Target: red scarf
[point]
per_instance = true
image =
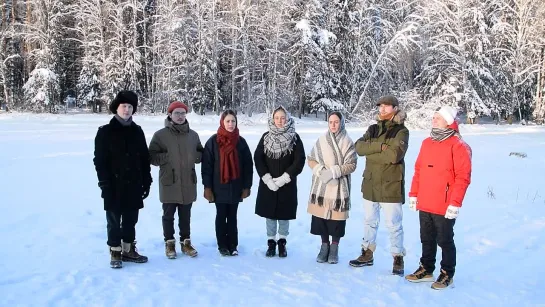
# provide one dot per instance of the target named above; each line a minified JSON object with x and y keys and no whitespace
{"x":227,"y":141}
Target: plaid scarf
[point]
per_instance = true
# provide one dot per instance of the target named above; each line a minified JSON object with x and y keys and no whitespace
{"x":333,"y":151}
{"x":279,"y":141}
{"x":441,"y":134}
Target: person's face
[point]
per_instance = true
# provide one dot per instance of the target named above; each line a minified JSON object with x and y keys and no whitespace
{"x":279,"y":119}
{"x":230,"y":123}
{"x":438,"y":121}
{"x":124,"y":110}
{"x":385,"y":109}
{"x":334,"y":123}
{"x":178,"y":115}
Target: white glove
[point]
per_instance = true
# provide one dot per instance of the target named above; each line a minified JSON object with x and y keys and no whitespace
{"x":326,"y":176}
{"x":452,"y":212}
{"x":412,"y":203}
{"x":316,"y":169}
{"x":267,"y":179}
{"x":282,"y":180}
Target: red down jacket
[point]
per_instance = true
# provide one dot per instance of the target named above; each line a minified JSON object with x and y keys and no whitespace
{"x":442,"y":173}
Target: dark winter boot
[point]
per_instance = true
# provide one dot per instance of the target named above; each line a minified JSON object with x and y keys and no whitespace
{"x":420,"y":275}
{"x":399,"y":266}
{"x":130,"y":254}
{"x":115,"y":257}
{"x":271,"y":251}
{"x":188,"y":249}
{"x":282,"y":252}
{"x":333,"y":254}
{"x":443,"y":281}
{"x":170,"y":249}
{"x":224,"y":251}
{"x":365,"y":259}
{"x":233,"y":251}
{"x":324,"y":253}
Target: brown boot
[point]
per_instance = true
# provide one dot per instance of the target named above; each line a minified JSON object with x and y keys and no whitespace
{"x":170,"y":249}
{"x":443,"y":281}
{"x":130,"y":254}
{"x":399,"y":266}
{"x":365,"y":259}
{"x":420,"y":275}
{"x":115,"y":257}
{"x":188,"y":249}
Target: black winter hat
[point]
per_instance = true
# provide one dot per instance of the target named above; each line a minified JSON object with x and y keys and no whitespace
{"x":124,"y":97}
{"x":388,"y":100}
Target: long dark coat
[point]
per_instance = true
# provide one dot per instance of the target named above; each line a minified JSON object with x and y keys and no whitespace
{"x":282,"y":204}
{"x":123,"y":166}
{"x":230,"y":192}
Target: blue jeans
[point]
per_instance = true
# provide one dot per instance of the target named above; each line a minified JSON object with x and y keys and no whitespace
{"x":393,"y":217}
{"x":283,"y":227}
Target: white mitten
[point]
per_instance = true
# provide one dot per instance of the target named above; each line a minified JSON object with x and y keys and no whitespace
{"x":412,"y":203}
{"x":452,"y":212}
{"x":282,"y":180}
{"x":267,"y":179}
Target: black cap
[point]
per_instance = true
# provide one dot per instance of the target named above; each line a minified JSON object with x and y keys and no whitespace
{"x":388,"y":100}
{"x":124,"y":97}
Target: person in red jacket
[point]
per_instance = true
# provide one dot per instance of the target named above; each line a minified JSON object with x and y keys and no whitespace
{"x":442,"y":173}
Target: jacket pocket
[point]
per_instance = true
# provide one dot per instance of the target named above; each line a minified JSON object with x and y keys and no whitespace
{"x":167,"y":176}
{"x":446,"y":192}
{"x":367,"y":175}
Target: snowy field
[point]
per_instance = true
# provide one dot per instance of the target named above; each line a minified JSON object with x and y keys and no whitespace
{"x":53,"y":229}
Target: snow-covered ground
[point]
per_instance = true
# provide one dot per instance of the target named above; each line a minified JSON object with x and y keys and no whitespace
{"x":53,"y":230}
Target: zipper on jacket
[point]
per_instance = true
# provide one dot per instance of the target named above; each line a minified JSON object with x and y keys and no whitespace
{"x":446,"y":193}
{"x":173,"y":178}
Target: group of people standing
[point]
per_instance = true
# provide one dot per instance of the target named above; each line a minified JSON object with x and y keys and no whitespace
{"x":442,"y":175}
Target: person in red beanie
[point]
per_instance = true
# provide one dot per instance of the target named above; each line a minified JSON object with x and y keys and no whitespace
{"x":442,"y":174}
{"x":227,"y":170}
{"x":176,"y":149}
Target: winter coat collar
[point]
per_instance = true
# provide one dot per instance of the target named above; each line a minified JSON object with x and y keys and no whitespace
{"x":124,"y":123}
{"x":177,"y":128}
{"x":398,"y":119}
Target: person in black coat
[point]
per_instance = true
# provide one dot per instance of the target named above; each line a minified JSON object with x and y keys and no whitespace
{"x":279,"y":158}
{"x":227,"y":171}
{"x":124,"y":176}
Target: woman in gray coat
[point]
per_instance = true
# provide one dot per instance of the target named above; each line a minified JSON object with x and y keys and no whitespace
{"x":176,"y":149}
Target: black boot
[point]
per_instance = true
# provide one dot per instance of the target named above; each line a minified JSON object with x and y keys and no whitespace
{"x":130,"y":253}
{"x":271,"y":251}
{"x":282,"y":248}
{"x":224,"y":251}
{"x":115,"y":257}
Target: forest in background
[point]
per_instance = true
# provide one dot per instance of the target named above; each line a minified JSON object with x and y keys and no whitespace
{"x":484,"y":56}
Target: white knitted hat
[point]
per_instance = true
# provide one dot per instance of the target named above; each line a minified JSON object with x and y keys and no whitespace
{"x":448,"y":113}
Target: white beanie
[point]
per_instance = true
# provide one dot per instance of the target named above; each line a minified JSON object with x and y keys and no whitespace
{"x":448,"y":113}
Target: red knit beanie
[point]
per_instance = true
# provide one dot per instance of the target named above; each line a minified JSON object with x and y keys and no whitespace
{"x":175,"y":105}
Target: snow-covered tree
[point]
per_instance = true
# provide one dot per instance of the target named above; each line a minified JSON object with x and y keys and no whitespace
{"x":453,"y":53}
{"x":517,"y":33}
{"x":388,"y":34}
{"x":42,"y":90}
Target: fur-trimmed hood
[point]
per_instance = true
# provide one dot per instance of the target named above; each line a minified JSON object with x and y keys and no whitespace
{"x":399,"y":117}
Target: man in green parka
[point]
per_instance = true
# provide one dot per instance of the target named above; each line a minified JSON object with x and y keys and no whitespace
{"x":384,"y":146}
